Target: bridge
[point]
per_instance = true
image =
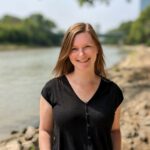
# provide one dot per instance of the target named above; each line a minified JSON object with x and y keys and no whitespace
{"x":116,"y":35}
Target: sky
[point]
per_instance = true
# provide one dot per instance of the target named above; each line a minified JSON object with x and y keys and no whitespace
{"x":67,"y":12}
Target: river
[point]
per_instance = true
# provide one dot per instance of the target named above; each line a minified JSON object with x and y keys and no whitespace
{"x":22,"y":76}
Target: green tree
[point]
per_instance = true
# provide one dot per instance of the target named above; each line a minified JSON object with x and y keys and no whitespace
{"x":135,"y":32}
{"x":92,"y":2}
{"x":10,"y":19}
{"x":38,"y":30}
{"x":119,"y":34}
{"x":34,"y":30}
{"x":140,"y":29}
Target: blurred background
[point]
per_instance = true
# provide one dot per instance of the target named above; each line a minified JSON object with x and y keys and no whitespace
{"x":30,"y":38}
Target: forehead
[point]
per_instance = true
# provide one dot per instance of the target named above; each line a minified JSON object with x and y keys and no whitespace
{"x":84,"y":38}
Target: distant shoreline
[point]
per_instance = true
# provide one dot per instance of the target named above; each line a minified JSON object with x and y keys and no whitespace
{"x":12,"y":47}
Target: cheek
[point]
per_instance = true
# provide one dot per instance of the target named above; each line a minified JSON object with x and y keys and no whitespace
{"x":93,"y":54}
{"x":71,"y":57}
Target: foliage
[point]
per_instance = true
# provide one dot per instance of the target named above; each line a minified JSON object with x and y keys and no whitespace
{"x":92,"y":2}
{"x":140,"y":29}
{"x":136,"y":32}
{"x":34,"y":30}
{"x":122,"y":31}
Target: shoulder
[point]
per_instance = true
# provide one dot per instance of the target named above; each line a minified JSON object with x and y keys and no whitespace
{"x":111,"y":83}
{"x":112,"y":87}
{"x":53,"y":82}
{"x":114,"y":90}
{"x":50,"y":88}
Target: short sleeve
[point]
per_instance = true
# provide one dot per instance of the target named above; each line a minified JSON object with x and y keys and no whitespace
{"x":118,"y":95}
{"x":47,"y":92}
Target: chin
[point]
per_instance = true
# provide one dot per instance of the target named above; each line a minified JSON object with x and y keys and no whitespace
{"x":83,"y":68}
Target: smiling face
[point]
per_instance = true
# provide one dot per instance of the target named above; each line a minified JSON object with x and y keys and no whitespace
{"x":84,"y":52}
{"x":80,"y":49}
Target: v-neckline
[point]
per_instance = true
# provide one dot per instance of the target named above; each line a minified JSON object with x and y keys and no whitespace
{"x":78,"y":98}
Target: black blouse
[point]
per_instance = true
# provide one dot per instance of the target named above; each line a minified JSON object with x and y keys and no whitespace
{"x":79,"y":125}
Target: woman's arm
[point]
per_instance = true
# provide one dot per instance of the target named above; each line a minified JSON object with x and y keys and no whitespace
{"x":46,"y":125}
{"x":116,"y":134}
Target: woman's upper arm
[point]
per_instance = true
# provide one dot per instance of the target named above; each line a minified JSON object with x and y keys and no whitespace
{"x":116,"y":123}
{"x":46,"y":116}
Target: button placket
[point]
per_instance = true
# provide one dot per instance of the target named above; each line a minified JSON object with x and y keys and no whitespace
{"x":87,"y":124}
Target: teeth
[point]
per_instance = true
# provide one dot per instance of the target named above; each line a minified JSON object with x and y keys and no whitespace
{"x":83,"y":61}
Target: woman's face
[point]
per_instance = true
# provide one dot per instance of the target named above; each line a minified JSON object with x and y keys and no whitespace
{"x":84,"y":52}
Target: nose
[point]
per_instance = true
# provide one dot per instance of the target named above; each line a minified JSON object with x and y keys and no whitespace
{"x":81,"y":51}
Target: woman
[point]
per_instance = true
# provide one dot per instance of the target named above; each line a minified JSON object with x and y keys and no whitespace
{"x":79,"y":109}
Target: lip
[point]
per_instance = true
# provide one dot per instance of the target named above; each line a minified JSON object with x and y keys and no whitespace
{"x":83,"y":61}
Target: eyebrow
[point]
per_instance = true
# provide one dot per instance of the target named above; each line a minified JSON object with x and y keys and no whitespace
{"x":89,"y":44}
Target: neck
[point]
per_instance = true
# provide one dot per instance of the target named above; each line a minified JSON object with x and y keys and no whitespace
{"x":84,"y":77}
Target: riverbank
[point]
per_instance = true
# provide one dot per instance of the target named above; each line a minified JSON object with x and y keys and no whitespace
{"x":15,"y":47}
{"x":133,"y":76}
{"x":10,"y":47}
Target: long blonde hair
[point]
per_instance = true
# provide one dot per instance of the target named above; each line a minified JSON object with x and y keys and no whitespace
{"x":63,"y":65}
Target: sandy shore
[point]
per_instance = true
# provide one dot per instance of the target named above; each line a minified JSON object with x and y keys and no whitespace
{"x":133,"y":76}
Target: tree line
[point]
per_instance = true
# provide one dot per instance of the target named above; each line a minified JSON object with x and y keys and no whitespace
{"x":133,"y":32}
{"x":34,"y":30}
{"x":92,"y":2}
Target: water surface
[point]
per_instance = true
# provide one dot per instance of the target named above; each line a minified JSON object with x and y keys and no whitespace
{"x":22,"y":76}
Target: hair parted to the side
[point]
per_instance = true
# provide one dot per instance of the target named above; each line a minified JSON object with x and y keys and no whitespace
{"x":63,"y":65}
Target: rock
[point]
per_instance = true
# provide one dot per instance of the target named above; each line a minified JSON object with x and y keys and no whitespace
{"x":35,"y":139}
{"x":29,"y":133}
{"x":14,"y":132}
{"x":147,"y":106}
{"x":3,"y":148}
{"x":143,"y":113}
{"x":13,"y":145}
{"x":24,"y":130}
{"x":143,"y":137}
{"x":27,"y":145}
{"x":132,"y":134}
